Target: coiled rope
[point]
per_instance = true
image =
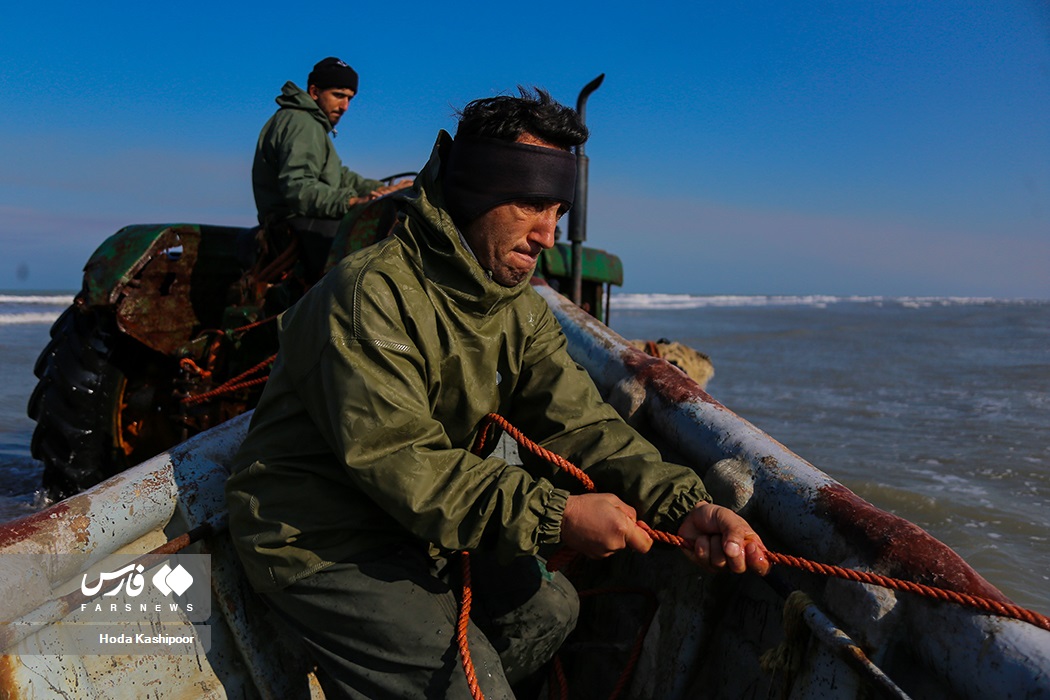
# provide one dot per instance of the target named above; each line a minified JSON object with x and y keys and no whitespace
{"x":964,"y":599}
{"x":233,"y":384}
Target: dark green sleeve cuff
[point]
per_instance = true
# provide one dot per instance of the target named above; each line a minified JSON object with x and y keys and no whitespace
{"x":550,"y":518}
{"x":671,"y":519}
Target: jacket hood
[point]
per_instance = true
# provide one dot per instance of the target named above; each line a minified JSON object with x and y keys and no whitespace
{"x":294,"y":97}
{"x":447,"y":260}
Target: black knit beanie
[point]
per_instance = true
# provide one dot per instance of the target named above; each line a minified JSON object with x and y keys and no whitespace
{"x":332,"y":73}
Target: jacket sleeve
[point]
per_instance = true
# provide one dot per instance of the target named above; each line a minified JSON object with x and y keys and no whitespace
{"x":556,"y":398}
{"x":301,"y":149}
{"x":368,"y":393}
{"x":358,"y":184}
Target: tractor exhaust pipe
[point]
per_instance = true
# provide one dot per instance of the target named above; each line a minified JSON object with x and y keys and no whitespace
{"x":578,"y":213}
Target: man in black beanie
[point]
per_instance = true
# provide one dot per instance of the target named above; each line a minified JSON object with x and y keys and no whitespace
{"x":297,"y":176}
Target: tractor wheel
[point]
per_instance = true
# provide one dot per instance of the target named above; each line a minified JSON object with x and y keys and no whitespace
{"x":103,"y":403}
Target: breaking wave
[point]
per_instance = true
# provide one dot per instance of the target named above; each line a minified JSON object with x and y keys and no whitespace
{"x":46,"y":299}
{"x":689,"y":301}
{"x":16,"y":309}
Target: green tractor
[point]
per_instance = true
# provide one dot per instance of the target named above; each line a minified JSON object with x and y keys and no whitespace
{"x":174,"y":332}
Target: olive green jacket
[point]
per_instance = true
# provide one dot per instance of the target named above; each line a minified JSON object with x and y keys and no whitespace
{"x":297,"y":171}
{"x":386,"y":368}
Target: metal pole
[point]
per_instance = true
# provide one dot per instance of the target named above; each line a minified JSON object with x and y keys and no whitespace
{"x":578,"y":213}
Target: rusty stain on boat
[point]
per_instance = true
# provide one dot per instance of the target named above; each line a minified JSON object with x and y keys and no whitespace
{"x":667,"y":379}
{"x":28,"y":526}
{"x":8,"y":685}
{"x":898,"y":547}
{"x":80,"y":525}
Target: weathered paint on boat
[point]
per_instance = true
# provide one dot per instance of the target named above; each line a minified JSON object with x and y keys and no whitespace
{"x":708,"y":632}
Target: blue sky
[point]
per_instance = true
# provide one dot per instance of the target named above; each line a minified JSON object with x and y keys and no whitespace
{"x":876,"y":148}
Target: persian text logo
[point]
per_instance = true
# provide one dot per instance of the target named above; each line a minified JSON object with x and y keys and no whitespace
{"x":130,"y":574}
{"x":166,"y":580}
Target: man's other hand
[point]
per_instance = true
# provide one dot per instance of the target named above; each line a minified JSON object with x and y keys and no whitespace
{"x":723,"y":539}
{"x":387,"y":189}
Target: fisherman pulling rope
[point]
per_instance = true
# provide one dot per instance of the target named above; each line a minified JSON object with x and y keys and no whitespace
{"x":356,"y":483}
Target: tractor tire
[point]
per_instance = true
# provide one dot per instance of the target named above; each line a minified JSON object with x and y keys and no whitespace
{"x":102,"y":404}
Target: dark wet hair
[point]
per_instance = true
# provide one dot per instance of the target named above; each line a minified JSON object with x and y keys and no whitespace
{"x":534,"y":112}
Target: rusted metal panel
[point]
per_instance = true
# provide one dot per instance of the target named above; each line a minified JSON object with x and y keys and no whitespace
{"x":115,"y":262}
{"x":36,"y":673}
{"x":42,"y":556}
{"x":155,"y":306}
{"x":145,"y":272}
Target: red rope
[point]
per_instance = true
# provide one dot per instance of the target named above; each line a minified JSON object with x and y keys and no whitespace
{"x":538,"y":450}
{"x":250,"y":326}
{"x":988,"y":605}
{"x":188,"y":365}
{"x":559,"y":680}
{"x":231,"y":385}
{"x":461,"y":630}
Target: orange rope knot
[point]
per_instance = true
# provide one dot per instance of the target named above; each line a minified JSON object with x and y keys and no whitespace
{"x":188,"y":365}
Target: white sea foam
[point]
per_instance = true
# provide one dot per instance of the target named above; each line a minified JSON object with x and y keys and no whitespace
{"x":27,"y":318}
{"x":690,"y":301}
{"x":28,"y":309}
{"x":46,"y":299}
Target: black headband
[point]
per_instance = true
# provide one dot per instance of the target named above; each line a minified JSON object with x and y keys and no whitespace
{"x":481,"y":173}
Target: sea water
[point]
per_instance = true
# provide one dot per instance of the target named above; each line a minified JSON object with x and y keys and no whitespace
{"x":934,"y":409}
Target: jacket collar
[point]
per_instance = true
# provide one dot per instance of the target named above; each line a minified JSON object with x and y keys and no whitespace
{"x":294,"y":97}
